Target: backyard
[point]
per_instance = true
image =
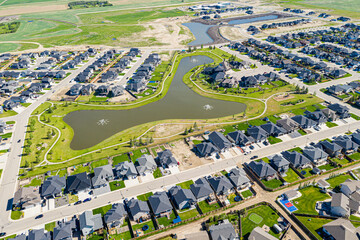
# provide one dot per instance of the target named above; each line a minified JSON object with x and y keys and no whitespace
{"x":306,"y":203}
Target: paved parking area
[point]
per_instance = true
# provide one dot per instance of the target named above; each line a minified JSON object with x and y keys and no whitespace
{"x":147,"y":178}
{"x":131,"y":182}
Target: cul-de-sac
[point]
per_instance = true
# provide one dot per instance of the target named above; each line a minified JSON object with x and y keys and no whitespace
{"x":180,"y":119}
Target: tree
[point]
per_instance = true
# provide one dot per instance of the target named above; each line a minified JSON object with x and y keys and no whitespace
{"x":49,"y":120}
{"x":151,"y":140}
{"x":131,"y":142}
{"x":189,"y":49}
{"x":31,"y":136}
{"x":55,"y":107}
{"x":191,"y":129}
{"x":28,"y":142}
{"x":49,"y":136}
{"x":195,"y":126}
{"x":53,"y":132}
{"x":186,"y":132}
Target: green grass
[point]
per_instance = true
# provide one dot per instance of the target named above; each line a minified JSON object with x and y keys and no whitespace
{"x":306,"y":203}
{"x":340,"y":161}
{"x":72,"y":198}
{"x":99,"y":163}
{"x":185,"y":185}
{"x":272,"y":184}
{"x":326,"y":167}
{"x":102,"y":210}
{"x":291,"y":176}
{"x":137,"y":153}
{"x":246,"y":194}
{"x":269,"y":218}
{"x":6,"y":135}
{"x":140,"y":225}
{"x":50,"y":226}
{"x":116,"y":185}
{"x":80,"y":169}
{"x":145,"y":196}
{"x":255,"y":218}
{"x":274,"y":140}
{"x":8,"y":47}
{"x":16,"y":215}
{"x":308,"y":172}
{"x":314,"y":224}
{"x":188,"y":214}
{"x":273,"y":119}
{"x":195,"y":142}
{"x":121,"y":158}
{"x":256,"y":122}
{"x":8,"y":114}
{"x":331,"y":124}
{"x":205,"y":207}
{"x":34,"y":183}
{"x":297,"y":149}
{"x":356,"y":117}
{"x":122,"y":236}
{"x":157,"y":173}
{"x":165,"y":221}
{"x":1,"y":170}
{"x":336,"y":181}
{"x":302,"y":132}
{"x":10,"y":122}
{"x":231,"y":197}
{"x":355,"y":156}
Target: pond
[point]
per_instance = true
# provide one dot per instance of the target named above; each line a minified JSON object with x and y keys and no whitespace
{"x":93,"y":126}
{"x":199,"y":31}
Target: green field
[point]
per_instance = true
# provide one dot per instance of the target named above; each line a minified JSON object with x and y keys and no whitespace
{"x":255,"y":218}
{"x":306,"y":203}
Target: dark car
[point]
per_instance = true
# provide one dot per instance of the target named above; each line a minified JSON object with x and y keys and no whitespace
{"x":87,"y":200}
{"x":78,"y":202}
{"x":2,"y":234}
{"x":254,"y":157}
{"x":251,"y":147}
{"x":265,"y":143}
{"x":39,"y":216}
{"x":19,"y":140}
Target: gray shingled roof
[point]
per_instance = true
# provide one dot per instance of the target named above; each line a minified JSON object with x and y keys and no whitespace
{"x":346,"y":142}
{"x":296,"y":158}
{"x":78,"y":182}
{"x":201,"y":188}
{"x":52,"y":186}
{"x":159,"y":203}
{"x":238,"y":177}
{"x":101,"y":175}
{"x":342,"y":229}
{"x":279,"y":161}
{"x":38,"y":234}
{"x":145,"y":163}
{"x":126,"y":169}
{"x":116,"y":213}
{"x":219,"y":140}
{"x":181,"y":195}
{"x":136,"y":206}
{"x":220,"y":184}
{"x":262,"y":169}
{"x":222,"y":231}
{"x":90,"y":222}
{"x":314,"y":153}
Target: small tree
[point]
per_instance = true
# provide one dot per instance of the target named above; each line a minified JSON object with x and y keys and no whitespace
{"x":53,"y":132}
{"x":186,"y":132}
{"x":151,"y":140}
{"x":195,"y":126}
{"x":49,"y":135}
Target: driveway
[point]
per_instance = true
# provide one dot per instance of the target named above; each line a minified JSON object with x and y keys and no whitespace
{"x":131,"y":182}
{"x":293,"y":135}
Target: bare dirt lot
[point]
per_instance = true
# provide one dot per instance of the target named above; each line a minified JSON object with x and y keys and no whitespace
{"x":283,"y":97}
{"x":186,"y":157}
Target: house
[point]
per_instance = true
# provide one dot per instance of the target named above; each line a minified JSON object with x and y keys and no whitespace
{"x":262,"y":170}
{"x":356,"y":137}
{"x":273,"y":130}
{"x":87,"y":89}
{"x":166,"y":159}
{"x":126,"y":170}
{"x":340,"y":205}
{"x":206,"y":149}
{"x":297,"y":159}
{"x":27,"y":197}
{"x":182,"y":198}
{"x":160,"y":204}
{"x":331,"y":148}
{"x":75,"y":89}
{"x":279,"y":163}
{"x":318,"y":116}
{"x":145,"y":164}
{"x":338,"y":73}
{"x":259,"y":234}
{"x":202,"y":190}
{"x":221,"y":185}
{"x":238,"y":178}
{"x":223,"y":230}
{"x":102,"y":175}
{"x":303,"y":121}
{"x":288,"y":124}
{"x":90,"y":223}
{"x":330,"y":114}
{"x":340,"y":110}
{"x":52,"y":187}
{"x":103,"y":90}
{"x":139,"y":210}
{"x":114,"y":218}
{"x":116,"y":91}
{"x":64,"y":230}
{"x":78,"y":183}
{"x":257,"y":133}
{"x":220,"y":141}
{"x":341,"y":229}
{"x":316,"y":155}
{"x":351,"y":188}
{"x":240,"y":139}
{"x":347,"y":144}
{"x":38,"y":234}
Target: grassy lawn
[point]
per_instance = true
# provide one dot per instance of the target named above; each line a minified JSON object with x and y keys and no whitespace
{"x":231,"y":198}
{"x":165,"y":221}
{"x":297,"y":149}
{"x":138,"y":153}
{"x":121,"y":158}
{"x":195,"y":142}
{"x":102,"y":210}
{"x":356,"y":117}
{"x":116,"y":185}
{"x":145,"y":196}
{"x":6,"y":135}
{"x":326,"y":167}
{"x":188,"y":214}
{"x":122,"y":236}
{"x":340,"y":161}
{"x":72,"y":198}
{"x":314,"y":224}
{"x":10,"y":122}
{"x":269,"y":218}
{"x":8,"y":114}
{"x":273,"y":119}
{"x":246,"y":194}
{"x":302,"y":132}
{"x":291,"y":176}
{"x":16,"y":215}
{"x":306,"y":203}
{"x":1,"y":170}
{"x":34,"y":182}
{"x":273,"y":140}
{"x":185,"y":185}
{"x":274,"y":183}
{"x":205,"y":207}
{"x":307,"y":172}
{"x":140,"y":225}
{"x":99,"y":163}
{"x":50,"y":226}
{"x":336,"y":181}
{"x":157,"y":173}
{"x":331,"y":124}
{"x":355,"y":156}
{"x":256,"y":122}
{"x":80,"y":168}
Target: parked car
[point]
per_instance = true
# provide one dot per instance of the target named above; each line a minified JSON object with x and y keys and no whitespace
{"x":2,"y":234}
{"x":251,"y":147}
{"x":87,"y":200}
{"x":254,"y":157}
{"x":265,"y":143}
{"x":78,"y":202}
{"x":19,"y":140}
{"x":39,"y":216}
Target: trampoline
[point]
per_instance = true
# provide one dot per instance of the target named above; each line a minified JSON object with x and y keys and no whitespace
{"x":237,"y":198}
{"x":145,"y":228}
{"x":288,"y":205}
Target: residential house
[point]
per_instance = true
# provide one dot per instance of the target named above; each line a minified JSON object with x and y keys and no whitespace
{"x":64,"y":230}
{"x":331,"y":148}
{"x":351,"y":188}
{"x":347,"y":144}
{"x":259,"y":234}
{"x":116,"y":91}
{"x":38,"y":234}
{"x":356,"y":137}
{"x":316,"y":155}
{"x":52,"y":187}
{"x":145,"y":165}
{"x":19,"y":237}
{"x":167,"y":160}
{"x":262,"y":170}
{"x":202,"y":190}
{"x":182,"y":198}
{"x":330,"y":114}
{"x":27,"y":197}
{"x":78,"y":183}
{"x":303,"y":121}
{"x":238,"y":178}
{"x":220,"y":141}
{"x":273,"y":130}
{"x":221,"y":185}
{"x":102,"y":175}
{"x":160,"y":204}
{"x":75,"y":89}
{"x":288,"y":124}
{"x":114,"y":218}
{"x":139,"y":210}
{"x":125,"y":170}
{"x":340,"y":205}
{"x":223,"y":230}
{"x":341,"y":229}
{"x":318,"y":116}
{"x":206,"y":149}
{"x":279,"y":163}
{"x":257,"y":133}
{"x":90,"y":223}
{"x":297,"y":159}
{"x":240,"y":139}
{"x":340,"y":110}
{"x":87,"y":90}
